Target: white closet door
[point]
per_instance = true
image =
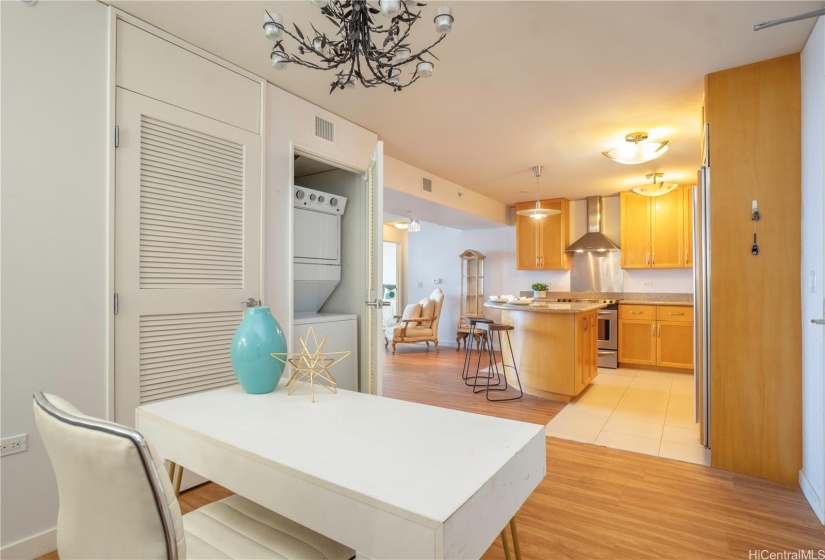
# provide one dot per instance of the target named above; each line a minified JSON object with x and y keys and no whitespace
{"x":372,"y":335}
{"x":187,"y":248}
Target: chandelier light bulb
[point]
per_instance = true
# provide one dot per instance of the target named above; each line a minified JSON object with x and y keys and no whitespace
{"x":279,"y":61}
{"x":443,"y":20}
{"x":394,"y":76}
{"x":425,"y":69}
{"x":637,"y":149}
{"x":390,"y":8}
{"x":402,"y":55}
{"x":273,"y":32}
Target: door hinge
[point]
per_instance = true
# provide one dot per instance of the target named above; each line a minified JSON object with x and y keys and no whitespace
{"x":117,"y":136}
{"x":116,"y":303}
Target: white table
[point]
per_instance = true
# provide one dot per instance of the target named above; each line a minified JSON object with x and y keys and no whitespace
{"x":389,"y":478}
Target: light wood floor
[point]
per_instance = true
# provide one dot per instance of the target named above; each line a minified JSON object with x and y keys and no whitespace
{"x":602,"y":503}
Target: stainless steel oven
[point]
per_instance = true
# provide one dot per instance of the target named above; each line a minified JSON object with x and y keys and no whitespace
{"x":609,"y":337}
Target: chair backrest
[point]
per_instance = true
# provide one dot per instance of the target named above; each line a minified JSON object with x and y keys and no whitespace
{"x":116,"y":500}
{"x":438,"y":297}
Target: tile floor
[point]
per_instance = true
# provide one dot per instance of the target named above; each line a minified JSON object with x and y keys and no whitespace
{"x":648,"y":412}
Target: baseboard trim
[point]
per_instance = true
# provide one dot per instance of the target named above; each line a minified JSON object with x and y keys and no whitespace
{"x":813,"y":498}
{"x":33,"y":547}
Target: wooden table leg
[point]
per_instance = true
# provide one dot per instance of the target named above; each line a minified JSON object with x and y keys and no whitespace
{"x":514,"y":532}
{"x":505,"y":544}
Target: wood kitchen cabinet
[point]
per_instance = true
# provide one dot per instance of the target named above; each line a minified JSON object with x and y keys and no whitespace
{"x":586,"y":348}
{"x":556,"y":353}
{"x":656,"y":335}
{"x":540,"y":244}
{"x":688,"y":227}
{"x":652,"y":230}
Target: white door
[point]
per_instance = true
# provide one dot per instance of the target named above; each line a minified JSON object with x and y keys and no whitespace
{"x":372,"y":335}
{"x":187,"y":248}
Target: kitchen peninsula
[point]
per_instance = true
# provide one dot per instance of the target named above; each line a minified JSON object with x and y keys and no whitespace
{"x":555,"y":346}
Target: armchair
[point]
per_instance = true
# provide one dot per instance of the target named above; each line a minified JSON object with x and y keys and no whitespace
{"x":418,"y":324}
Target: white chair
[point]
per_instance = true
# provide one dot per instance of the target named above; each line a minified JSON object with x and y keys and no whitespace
{"x":116,"y":501}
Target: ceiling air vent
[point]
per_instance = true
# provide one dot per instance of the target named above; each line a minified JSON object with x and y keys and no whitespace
{"x":426,"y":185}
{"x":325,"y":129}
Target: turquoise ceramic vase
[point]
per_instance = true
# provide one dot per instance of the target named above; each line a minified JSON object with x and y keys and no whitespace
{"x":257,"y":337}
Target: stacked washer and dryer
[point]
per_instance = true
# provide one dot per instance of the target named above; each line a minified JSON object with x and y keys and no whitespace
{"x":316,"y":273}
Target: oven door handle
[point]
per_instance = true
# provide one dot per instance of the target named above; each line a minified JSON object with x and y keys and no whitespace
{"x":608,"y":312}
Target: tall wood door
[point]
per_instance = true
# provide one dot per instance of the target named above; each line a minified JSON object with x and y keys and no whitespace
{"x":754,"y":115}
{"x":187,"y":248}
{"x":635,"y":230}
{"x":667,"y":230}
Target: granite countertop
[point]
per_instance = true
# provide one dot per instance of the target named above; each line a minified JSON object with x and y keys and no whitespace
{"x":547,"y":307}
{"x":655,"y":302}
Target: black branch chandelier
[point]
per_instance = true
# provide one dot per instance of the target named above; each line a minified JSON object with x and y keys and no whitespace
{"x":354,"y":50}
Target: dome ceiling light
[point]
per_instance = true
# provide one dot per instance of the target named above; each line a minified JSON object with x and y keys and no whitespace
{"x":654,"y":188}
{"x":362,"y":49}
{"x":538,"y":212}
{"x":637,"y":149}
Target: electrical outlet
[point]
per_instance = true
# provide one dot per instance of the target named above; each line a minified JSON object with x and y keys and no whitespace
{"x":12,"y":445}
{"x":648,"y":284}
{"x":437,"y":280}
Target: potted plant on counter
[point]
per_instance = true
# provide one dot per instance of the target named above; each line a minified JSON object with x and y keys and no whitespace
{"x":539,"y":290}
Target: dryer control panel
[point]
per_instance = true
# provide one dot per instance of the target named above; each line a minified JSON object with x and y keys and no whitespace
{"x":318,"y":201}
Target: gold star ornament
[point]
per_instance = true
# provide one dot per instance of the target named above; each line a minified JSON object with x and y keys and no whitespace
{"x":311,"y":366}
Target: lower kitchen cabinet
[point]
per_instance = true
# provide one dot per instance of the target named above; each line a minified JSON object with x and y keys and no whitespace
{"x":556,"y":353}
{"x":587,"y":335}
{"x":656,"y":335}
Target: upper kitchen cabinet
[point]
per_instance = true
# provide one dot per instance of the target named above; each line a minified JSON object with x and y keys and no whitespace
{"x":688,"y":228}
{"x":653,"y":230}
{"x":540,"y":243}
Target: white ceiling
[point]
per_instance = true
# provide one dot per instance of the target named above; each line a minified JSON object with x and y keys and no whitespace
{"x":524,"y":83}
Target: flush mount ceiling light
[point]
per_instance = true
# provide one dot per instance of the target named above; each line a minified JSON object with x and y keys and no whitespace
{"x":654,"y":188}
{"x":401,"y":225}
{"x":538,"y":212}
{"x":637,"y":149}
{"x":361,"y":49}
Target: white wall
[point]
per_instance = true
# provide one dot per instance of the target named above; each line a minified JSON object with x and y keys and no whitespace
{"x":54,"y":241}
{"x":290,"y":121}
{"x":812,"y":476}
{"x":405,"y":178}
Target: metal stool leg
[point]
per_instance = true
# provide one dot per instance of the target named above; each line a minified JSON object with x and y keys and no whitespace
{"x":492,"y":367}
{"x":516,"y":544}
{"x":504,"y":366}
{"x":505,"y":544}
{"x":468,"y":350}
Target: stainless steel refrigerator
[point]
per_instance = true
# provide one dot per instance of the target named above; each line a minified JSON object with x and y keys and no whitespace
{"x":701,"y":294}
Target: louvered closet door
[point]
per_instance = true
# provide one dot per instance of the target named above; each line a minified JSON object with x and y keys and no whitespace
{"x":187,"y":249}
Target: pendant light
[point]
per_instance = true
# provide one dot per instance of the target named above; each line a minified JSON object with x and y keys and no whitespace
{"x":637,"y":149}
{"x":538,"y":212}
{"x":654,"y":188}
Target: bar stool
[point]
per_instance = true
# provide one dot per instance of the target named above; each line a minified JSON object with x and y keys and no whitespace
{"x":489,"y":330}
{"x":468,"y":347}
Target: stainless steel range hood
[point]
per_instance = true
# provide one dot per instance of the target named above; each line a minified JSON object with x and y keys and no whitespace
{"x":594,"y":240}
